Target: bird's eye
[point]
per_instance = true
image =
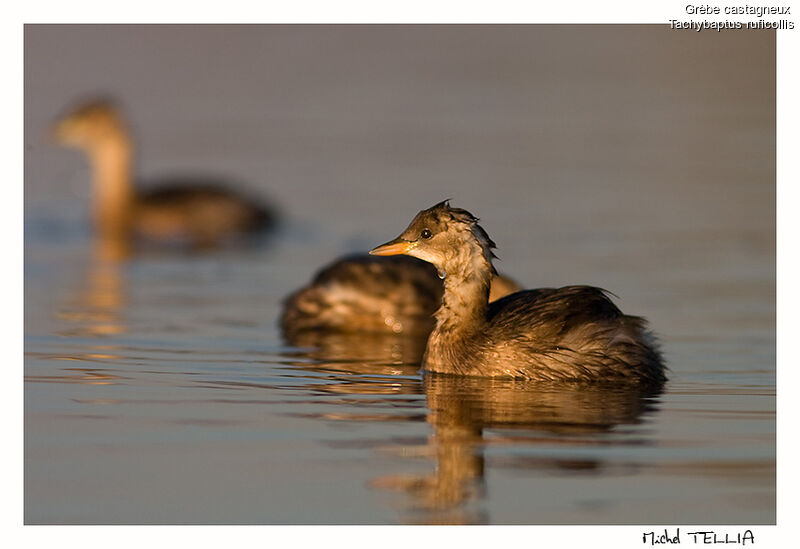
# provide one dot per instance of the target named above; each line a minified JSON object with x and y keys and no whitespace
{"x":426,"y":233}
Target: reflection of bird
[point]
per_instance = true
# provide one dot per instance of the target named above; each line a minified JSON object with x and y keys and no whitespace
{"x":548,"y":409}
{"x":361,"y":293}
{"x":97,"y":311}
{"x":523,"y":414}
{"x":195,"y":210}
{"x":571,"y":333}
{"x":361,"y":349}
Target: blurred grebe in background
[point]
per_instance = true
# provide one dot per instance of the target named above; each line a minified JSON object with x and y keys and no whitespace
{"x":199,"y":211}
{"x":362,"y":293}
{"x":570,"y":333}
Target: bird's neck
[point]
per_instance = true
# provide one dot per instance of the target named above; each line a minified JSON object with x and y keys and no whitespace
{"x":462,"y":313}
{"x":112,"y":188}
{"x":464,"y":303}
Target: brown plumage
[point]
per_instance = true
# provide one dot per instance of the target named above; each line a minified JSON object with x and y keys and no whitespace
{"x":571,"y":333}
{"x":362,"y":293}
{"x":200,"y":211}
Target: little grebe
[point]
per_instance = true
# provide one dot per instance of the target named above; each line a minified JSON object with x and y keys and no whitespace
{"x":570,"y":333}
{"x":362,"y":293}
{"x":196,"y":210}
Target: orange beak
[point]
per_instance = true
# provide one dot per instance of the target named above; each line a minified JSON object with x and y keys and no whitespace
{"x":397,"y":246}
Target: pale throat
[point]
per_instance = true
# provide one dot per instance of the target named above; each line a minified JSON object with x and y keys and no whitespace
{"x":466,"y":290}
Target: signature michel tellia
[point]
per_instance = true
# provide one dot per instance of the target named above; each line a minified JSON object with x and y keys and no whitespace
{"x":698,"y":537}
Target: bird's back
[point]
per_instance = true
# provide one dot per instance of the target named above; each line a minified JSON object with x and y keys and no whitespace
{"x":201,"y":211}
{"x":574,"y":332}
{"x":365,"y":293}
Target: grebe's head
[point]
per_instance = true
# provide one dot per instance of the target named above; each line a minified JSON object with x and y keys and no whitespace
{"x":89,"y":125}
{"x":449,"y":238}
